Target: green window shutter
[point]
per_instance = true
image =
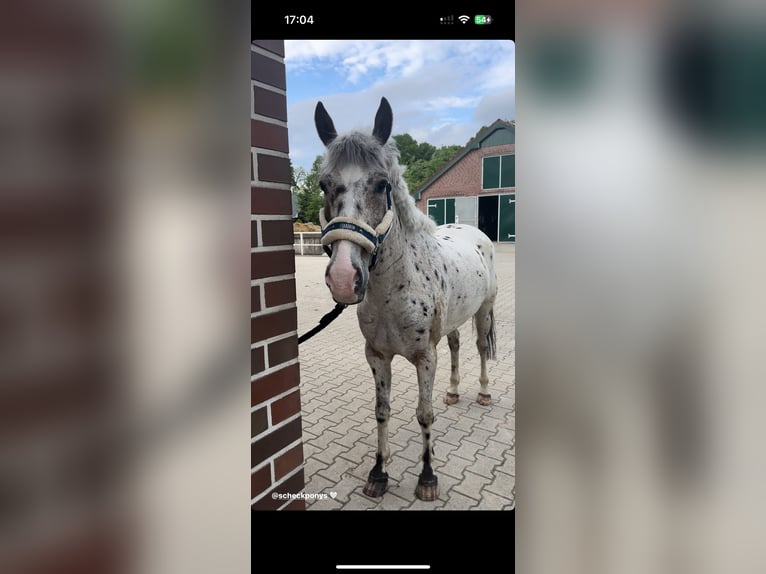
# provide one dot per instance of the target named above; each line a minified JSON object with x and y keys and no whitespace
{"x":508,"y":171}
{"x":491,"y":177}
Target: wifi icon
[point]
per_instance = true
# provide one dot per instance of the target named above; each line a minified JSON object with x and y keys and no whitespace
{"x":464,"y":19}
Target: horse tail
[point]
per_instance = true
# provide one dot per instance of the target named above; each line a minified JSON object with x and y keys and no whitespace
{"x":491,"y":338}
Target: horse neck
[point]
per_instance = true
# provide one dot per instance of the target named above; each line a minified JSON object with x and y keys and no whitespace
{"x":396,"y":254}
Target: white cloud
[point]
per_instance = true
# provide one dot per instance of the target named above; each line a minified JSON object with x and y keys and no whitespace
{"x":441,"y":92}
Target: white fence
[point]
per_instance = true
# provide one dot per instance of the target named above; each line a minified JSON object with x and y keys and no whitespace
{"x":307,"y":243}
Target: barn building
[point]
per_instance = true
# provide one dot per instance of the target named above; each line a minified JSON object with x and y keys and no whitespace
{"x":478,"y":185}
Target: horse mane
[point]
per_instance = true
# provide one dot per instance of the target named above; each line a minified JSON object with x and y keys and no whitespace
{"x":358,"y":148}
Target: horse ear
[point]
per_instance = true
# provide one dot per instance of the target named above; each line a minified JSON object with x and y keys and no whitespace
{"x":324,"y":125}
{"x":384,"y":119}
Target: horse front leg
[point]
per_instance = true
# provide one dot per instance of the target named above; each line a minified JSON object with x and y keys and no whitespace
{"x":377,"y":481}
{"x":428,"y":485}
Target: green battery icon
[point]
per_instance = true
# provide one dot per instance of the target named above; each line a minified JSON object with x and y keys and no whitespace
{"x":481,"y":19}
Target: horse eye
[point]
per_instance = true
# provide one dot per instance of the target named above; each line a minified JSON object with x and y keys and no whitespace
{"x":381,"y":187}
{"x":323,"y":187}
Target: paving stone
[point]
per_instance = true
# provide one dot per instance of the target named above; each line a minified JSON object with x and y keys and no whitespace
{"x":491,"y":501}
{"x":457,"y":501}
{"x":479,"y":436}
{"x":494,"y":449}
{"x":509,"y":465}
{"x":484,"y":466}
{"x":502,"y":485}
{"x":453,"y":436}
{"x":471,"y":485}
{"x":455,"y":466}
{"x":360,"y":502}
{"x":330,"y":452}
{"x":360,"y":452}
{"x":312,"y":466}
{"x":326,"y":504}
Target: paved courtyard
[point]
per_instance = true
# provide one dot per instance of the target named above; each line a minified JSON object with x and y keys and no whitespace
{"x":474,"y":445}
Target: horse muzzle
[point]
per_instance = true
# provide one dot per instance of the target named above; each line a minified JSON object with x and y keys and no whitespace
{"x":346,"y":276}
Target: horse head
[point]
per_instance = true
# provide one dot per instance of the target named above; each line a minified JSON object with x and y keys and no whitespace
{"x":357,"y":215}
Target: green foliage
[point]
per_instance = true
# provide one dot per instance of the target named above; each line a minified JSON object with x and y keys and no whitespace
{"x":423,"y":160}
{"x":306,"y":188}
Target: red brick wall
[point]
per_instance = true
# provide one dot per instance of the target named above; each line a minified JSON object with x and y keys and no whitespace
{"x":59,"y":269}
{"x":464,"y":178}
{"x":276,"y":452}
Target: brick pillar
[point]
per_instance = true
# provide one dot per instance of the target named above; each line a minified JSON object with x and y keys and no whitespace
{"x":276,"y":454}
{"x":58,"y":387}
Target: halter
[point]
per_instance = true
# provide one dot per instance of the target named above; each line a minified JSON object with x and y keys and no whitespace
{"x":357,"y":231}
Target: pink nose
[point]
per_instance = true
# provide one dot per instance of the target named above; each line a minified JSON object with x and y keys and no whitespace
{"x":342,"y":283}
{"x":342,"y":276}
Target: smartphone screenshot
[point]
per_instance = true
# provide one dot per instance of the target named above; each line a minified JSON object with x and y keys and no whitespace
{"x":383,"y":241}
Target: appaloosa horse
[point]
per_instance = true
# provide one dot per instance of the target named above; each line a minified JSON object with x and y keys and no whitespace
{"x":414,"y":283}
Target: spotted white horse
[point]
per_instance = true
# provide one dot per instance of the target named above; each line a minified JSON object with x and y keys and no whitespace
{"x":414,"y":283}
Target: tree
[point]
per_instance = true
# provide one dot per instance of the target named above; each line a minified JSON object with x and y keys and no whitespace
{"x":310,"y":199}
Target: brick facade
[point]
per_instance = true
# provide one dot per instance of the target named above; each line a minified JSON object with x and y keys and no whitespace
{"x":276,"y":453}
{"x":464,"y":178}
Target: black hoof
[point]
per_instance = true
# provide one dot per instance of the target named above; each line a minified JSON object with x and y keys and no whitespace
{"x":427,"y":489}
{"x":376,"y":485}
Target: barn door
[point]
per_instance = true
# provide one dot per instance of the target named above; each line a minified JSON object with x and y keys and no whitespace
{"x":436,"y":210}
{"x":507,"y":218}
{"x":449,"y":210}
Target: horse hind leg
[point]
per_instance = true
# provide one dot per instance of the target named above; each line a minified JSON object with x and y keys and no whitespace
{"x":452,"y":396}
{"x":485,"y":342}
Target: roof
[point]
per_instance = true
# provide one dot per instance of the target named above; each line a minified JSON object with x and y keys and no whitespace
{"x":474,"y":143}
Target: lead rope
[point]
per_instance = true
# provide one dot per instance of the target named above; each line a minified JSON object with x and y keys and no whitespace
{"x":323,"y":322}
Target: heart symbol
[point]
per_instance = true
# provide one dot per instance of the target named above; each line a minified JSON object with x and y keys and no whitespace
{"x":333,"y":494}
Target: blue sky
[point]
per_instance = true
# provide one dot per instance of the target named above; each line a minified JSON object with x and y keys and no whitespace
{"x":441,"y":91}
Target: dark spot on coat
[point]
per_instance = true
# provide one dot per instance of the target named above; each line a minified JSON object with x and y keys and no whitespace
{"x":374,"y":372}
{"x":358,"y":207}
{"x":413,"y":301}
{"x":426,"y":367}
{"x":428,"y":278}
{"x":416,"y":267}
{"x":417,"y":339}
{"x":421,"y":331}
{"x":387,"y":300}
{"x":445,"y":267}
{"x":401,"y":287}
{"x":443,"y":285}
